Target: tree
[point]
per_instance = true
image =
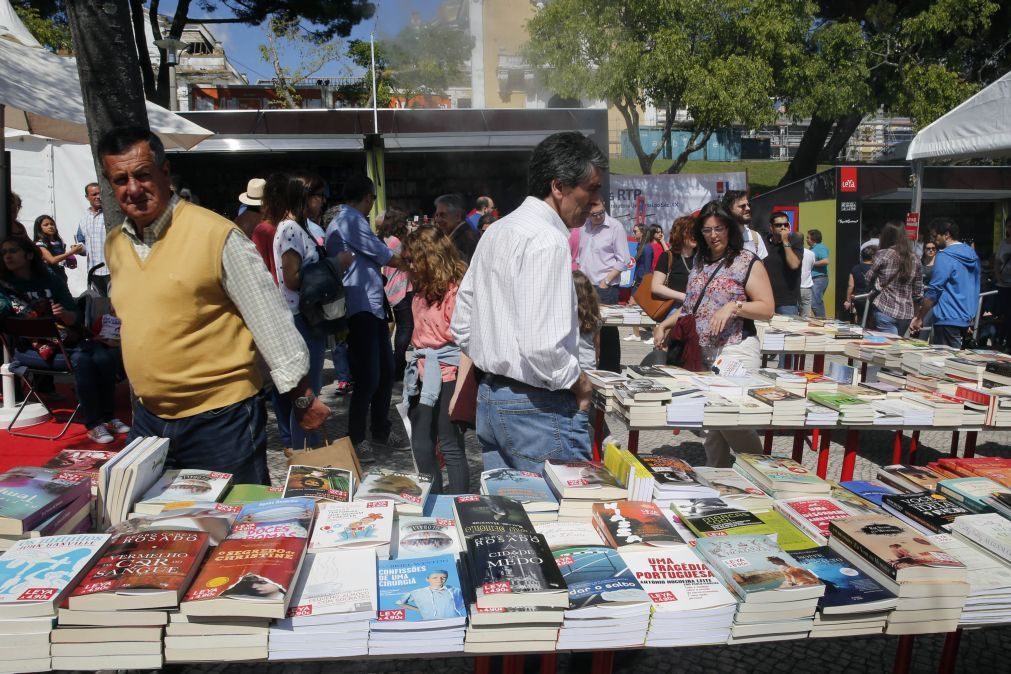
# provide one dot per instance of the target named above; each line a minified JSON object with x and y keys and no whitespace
{"x":914,"y":57}
{"x":312,"y":54}
{"x":717,"y":60}
{"x":51,"y":31}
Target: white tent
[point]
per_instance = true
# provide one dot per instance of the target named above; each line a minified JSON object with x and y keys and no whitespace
{"x":12,"y":27}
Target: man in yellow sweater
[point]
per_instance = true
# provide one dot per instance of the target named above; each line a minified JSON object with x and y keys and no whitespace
{"x":196,"y":305}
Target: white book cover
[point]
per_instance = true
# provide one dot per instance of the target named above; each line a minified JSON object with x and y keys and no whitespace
{"x":560,"y":535}
{"x":986,"y":572}
{"x":990,"y":531}
{"x":678,"y":580}
{"x":337,"y":582}
{"x":187,"y":486}
{"x":358,"y":524}
{"x":408,"y":490}
{"x":418,"y":536}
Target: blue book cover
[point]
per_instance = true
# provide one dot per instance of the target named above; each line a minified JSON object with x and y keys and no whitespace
{"x":30,"y":495}
{"x":440,"y":506}
{"x":872,"y":490}
{"x":597,"y":575}
{"x":518,"y":485}
{"x":278,"y":518}
{"x":41,"y":570}
{"x":847,"y":588}
{"x":422,"y":589}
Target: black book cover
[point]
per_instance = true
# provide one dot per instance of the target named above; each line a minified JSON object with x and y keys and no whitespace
{"x":999,"y":367}
{"x":476,"y":515}
{"x":512,"y":562}
{"x":930,"y":510}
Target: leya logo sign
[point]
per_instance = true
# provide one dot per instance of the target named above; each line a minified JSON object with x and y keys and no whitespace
{"x":848,"y":179}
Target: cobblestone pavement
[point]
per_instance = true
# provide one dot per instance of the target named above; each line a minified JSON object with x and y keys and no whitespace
{"x":986,"y":650}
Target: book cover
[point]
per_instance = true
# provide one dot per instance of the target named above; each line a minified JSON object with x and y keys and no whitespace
{"x":787,"y":536}
{"x":716,"y":517}
{"x":216,"y":521}
{"x":816,"y":512}
{"x":359,"y":524}
{"x":156,"y":560}
{"x":781,"y":473}
{"x":634,"y":523}
{"x":642,"y":390}
{"x":678,"y":580}
{"x":560,"y":535}
{"x":512,"y":563}
{"x":42,"y":570}
{"x":419,"y":536}
{"x":419,"y":590}
{"x":519,"y":485}
{"x":670,"y":471}
{"x":872,"y":490}
{"x":244,"y":494}
{"x":30,"y":496}
{"x":773,"y":395}
{"x":891,"y":546}
{"x":932,"y":512}
{"x":847,"y":588}
{"x":189,"y":487}
{"x":335,"y":583}
{"x":279,"y":518}
{"x":407,"y":490}
{"x":249,"y":570}
{"x":972,"y":492}
{"x":731,"y":485}
{"x":910,"y":478}
{"x":755,"y":564}
{"x":86,"y":461}
{"x":325,"y":484}
{"x":597,"y":576}
{"x":857,"y":505}
{"x":477,"y":515}
{"x":582,"y":479}
{"x":990,"y":531}
{"x":837,"y":401}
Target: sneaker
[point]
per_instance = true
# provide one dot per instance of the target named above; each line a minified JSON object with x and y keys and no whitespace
{"x":631,"y":338}
{"x":116,"y":426}
{"x":342,"y":388}
{"x":365,"y":453}
{"x":395,"y":441}
{"x":100,"y":434}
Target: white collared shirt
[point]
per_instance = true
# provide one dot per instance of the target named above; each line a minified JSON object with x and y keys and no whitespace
{"x":516,"y":308}
{"x":753,"y":242}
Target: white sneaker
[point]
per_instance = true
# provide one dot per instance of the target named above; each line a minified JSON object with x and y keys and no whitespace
{"x":631,"y":338}
{"x":100,"y":434}
{"x":116,"y":426}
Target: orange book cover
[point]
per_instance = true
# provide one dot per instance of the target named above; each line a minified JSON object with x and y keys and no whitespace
{"x":250,"y":569}
{"x":154,"y":560}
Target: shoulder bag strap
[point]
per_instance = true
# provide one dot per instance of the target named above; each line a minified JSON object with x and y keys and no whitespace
{"x":702,"y":294}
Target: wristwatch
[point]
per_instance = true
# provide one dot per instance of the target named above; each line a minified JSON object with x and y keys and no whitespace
{"x":303,"y":402}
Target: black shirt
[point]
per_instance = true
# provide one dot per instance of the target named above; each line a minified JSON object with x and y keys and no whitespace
{"x":676,"y":269}
{"x":785,"y":281}
{"x":859,"y":272}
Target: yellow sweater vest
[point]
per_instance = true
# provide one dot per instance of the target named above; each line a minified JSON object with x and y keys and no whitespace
{"x":185,"y":346}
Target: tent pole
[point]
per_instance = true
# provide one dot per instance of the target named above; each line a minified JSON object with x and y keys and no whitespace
{"x":5,"y":187}
{"x":914,"y":206}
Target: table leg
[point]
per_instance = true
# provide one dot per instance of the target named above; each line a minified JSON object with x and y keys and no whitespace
{"x":903,"y":655}
{"x":863,"y":372}
{"x":767,"y":447}
{"x":897,"y":448}
{"x":815,"y":439}
{"x":819,"y":363}
{"x":602,"y":662}
{"x":482,"y":664}
{"x":914,"y":444}
{"x":970,"y":444}
{"x":954,"y":445}
{"x":798,"y":446}
{"x":633,"y":442}
{"x":949,"y":654}
{"x":823,"y":455}
{"x":549,"y":663}
{"x":598,"y":431}
{"x":513,"y":664}
{"x":849,"y":463}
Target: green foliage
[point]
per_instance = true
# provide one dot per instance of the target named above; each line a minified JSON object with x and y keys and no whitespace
{"x":931,"y":91}
{"x":51,"y":29}
{"x":359,"y":92}
{"x":312,"y":53}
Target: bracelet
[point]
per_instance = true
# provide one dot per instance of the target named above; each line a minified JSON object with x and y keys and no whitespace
{"x":740,"y":304}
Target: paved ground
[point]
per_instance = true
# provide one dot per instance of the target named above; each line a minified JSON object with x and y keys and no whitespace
{"x":981,"y":650}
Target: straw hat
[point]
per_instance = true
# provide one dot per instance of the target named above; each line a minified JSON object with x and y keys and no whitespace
{"x":253,"y":196}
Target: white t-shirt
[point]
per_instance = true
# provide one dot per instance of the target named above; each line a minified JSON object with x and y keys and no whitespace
{"x":291,"y":236}
{"x":806,"y":265}
{"x":753,"y":242}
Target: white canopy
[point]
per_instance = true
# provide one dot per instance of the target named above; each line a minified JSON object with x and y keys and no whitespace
{"x":12,"y":27}
{"x":979,"y":127}
{"x":42,"y":95}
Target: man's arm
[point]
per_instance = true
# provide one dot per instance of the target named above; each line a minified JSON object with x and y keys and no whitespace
{"x":621,"y":254}
{"x":790,"y":248}
{"x":460,"y":325}
{"x":361,"y":239}
{"x":821,"y":261}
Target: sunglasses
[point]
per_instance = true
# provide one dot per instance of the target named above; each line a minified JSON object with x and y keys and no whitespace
{"x":780,"y":224}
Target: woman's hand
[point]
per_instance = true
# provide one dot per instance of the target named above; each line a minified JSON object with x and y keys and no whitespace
{"x":62,"y":314}
{"x":660,"y":337}
{"x":77,"y":249}
{"x":722,"y":317}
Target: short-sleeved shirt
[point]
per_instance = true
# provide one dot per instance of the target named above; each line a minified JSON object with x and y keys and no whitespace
{"x":676,"y":268}
{"x":434,"y":604}
{"x":726,"y":287}
{"x":431,"y":328}
{"x":292,"y":236}
{"x":820,"y":251}
{"x":785,"y":281}
{"x":806,"y":267}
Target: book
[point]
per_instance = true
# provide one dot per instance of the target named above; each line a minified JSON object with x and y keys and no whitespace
{"x":419,"y":536}
{"x":733,"y":487}
{"x":758,"y":570}
{"x":514,"y":569}
{"x":929,"y":513}
{"x":675,"y":478}
{"x":37,"y":574}
{"x":975,"y":493}
{"x":560,"y":535}
{"x":528,"y":488}
{"x":812,"y":515}
{"x":216,"y":521}
{"x":598,"y":578}
{"x":716,"y":517}
{"x":188,"y":488}
{"x":908,"y":478}
{"x":778,"y":473}
{"x":323,"y":484}
{"x":895,"y":549}
{"x":358,"y":524}
{"x":86,"y":461}
{"x":141,"y":571}
{"x":408,"y":490}
{"x":30,"y":496}
{"x":279,"y":518}
{"x":678,"y":580}
{"x":784,"y":532}
{"x":420,"y":592}
{"x":246,"y":577}
{"x":244,"y":494}
{"x":990,"y":531}
{"x":338,"y":585}
{"x":582,"y":480}
{"x":476,"y":515}
{"x":634,"y":525}
{"x":847,"y":588}
{"x":125,"y":477}
{"x":872,"y":490}
{"x":629,"y":472}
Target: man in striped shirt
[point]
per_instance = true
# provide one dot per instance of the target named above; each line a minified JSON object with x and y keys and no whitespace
{"x":91,"y":232}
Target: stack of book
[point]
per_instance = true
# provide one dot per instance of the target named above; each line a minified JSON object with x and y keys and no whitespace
{"x":124,"y":478}
{"x":86,"y":461}
{"x":629,"y":472}
{"x":994,"y":468}
{"x":409,"y":491}
{"x":421,"y":607}
{"x":997,"y":372}
{"x":854,"y":604}
{"x":751,"y":412}
{"x":819,"y":415}
{"x":38,"y":502}
{"x":204,"y":633}
{"x":931,"y":584}
{"x":687,"y":408}
{"x":634,"y":525}
{"x":977,"y":494}
{"x":788,"y":408}
{"x":36,"y":575}
{"x":909,"y":478}
{"x":777,"y":597}
{"x":579,"y":484}
{"x":990,"y":532}
{"x":356,"y":525}
{"x":890,"y":412}
{"x":674,"y":478}
{"x":946,"y":411}
{"x":603,"y":383}
{"x":853,"y":411}
{"x":642,"y":402}
{"x":812,"y":515}
{"x":182,"y":489}
{"x":690,"y":604}
{"x":817,"y":383}
{"x":788,"y":381}
{"x":528,"y":488}
{"x":137,"y":580}
{"x":608,"y":608}
{"x":989,"y":600}
{"x":926,"y":512}
{"x":250,"y":575}
{"x":719,"y":410}
{"x":780,"y":477}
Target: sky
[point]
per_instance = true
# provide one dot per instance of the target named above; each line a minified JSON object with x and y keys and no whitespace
{"x":241,"y":42}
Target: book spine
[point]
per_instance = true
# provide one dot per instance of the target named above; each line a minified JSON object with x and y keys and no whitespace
{"x":859,"y":548}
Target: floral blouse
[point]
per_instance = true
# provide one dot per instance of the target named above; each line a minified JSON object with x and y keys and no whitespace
{"x":727,"y":287}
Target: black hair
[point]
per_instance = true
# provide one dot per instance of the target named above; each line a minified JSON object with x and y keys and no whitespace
{"x":357,"y":188}
{"x":867,"y":253}
{"x":779,"y":214}
{"x":944,"y":226}
{"x":568,"y":157}
{"x":297,"y":191}
{"x":39,"y":270}
{"x":121,"y":139}
{"x":730,"y":197}
{"x":89,"y":186}
{"x":274,"y":206}
{"x":815,"y":235}
{"x":38,"y":236}
{"x":735,"y":237}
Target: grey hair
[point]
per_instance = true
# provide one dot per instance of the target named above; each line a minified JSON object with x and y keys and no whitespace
{"x":568,"y":157}
{"x":119,"y":140}
{"x":453,"y":203}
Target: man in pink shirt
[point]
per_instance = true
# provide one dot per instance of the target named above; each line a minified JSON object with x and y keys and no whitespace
{"x":603,"y":255}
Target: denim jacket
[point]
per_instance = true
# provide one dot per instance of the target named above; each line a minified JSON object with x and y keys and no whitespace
{"x":432,"y":384}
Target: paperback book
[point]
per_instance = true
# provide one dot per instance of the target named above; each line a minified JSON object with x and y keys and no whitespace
{"x":678,"y":580}
{"x":582,"y":480}
{"x":476,"y":515}
{"x":847,"y":588}
{"x":338,"y":584}
{"x":929,"y":513}
{"x":86,"y":461}
{"x":716,"y":517}
{"x":30,"y":496}
{"x":418,"y":536}
{"x":895,"y":549}
{"x":359,"y":524}
{"x":528,"y":488}
{"x":244,"y":494}
{"x":408,"y":491}
{"x":321,"y":484}
{"x":37,"y":574}
{"x":514,"y":569}
{"x":598,"y":576}
{"x":755,"y":567}
{"x":187,"y":489}
{"x":420,"y":590}
{"x":279,"y":518}
{"x":634,"y":525}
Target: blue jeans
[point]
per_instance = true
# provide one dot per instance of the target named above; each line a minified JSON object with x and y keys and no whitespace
{"x":341,"y":366}
{"x":372,"y":369}
{"x":431,"y":427}
{"x":282,"y":414}
{"x":892,"y":326}
{"x":948,"y":335}
{"x":317,"y":347}
{"x":96,"y":368}
{"x":818,"y":295}
{"x":230,"y":439}
{"x":521,"y":427}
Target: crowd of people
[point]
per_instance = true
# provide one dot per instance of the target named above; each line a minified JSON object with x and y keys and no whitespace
{"x":503,"y":313}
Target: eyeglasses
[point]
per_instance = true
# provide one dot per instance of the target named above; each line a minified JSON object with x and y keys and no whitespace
{"x":598,"y":215}
{"x":744,"y":207}
{"x":719,"y":229}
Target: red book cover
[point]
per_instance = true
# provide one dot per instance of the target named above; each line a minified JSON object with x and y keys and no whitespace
{"x":250,"y":569}
{"x":818,"y":511}
{"x":155,"y":560}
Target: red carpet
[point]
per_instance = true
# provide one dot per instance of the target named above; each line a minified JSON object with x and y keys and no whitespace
{"x":17,"y":451}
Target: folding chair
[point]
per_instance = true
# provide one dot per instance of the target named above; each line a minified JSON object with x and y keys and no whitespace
{"x":15,"y":329}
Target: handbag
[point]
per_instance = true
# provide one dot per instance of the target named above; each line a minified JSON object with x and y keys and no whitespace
{"x":465,"y":410}
{"x":655,"y":308}
{"x":678,"y":349}
{"x":321,"y":298}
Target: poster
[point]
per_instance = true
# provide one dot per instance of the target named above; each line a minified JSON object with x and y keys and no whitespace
{"x":668,"y":197}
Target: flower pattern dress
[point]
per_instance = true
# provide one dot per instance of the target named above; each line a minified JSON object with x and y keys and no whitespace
{"x":726,"y":288}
